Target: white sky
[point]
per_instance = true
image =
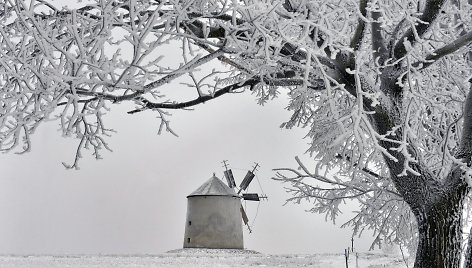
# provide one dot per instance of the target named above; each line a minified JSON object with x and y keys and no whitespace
{"x":134,"y":200}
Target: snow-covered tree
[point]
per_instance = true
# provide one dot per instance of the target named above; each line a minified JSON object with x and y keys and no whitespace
{"x":382,"y":86}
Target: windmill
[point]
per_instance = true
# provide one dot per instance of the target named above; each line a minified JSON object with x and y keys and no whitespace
{"x":214,"y":212}
{"x":228,"y":173}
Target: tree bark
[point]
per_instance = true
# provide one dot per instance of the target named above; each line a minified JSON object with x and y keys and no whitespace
{"x":440,"y":231}
{"x":437,"y":203}
{"x":468,"y":254}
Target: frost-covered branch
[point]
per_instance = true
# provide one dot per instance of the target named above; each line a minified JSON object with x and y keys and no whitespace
{"x":465,"y":147}
{"x":461,"y":42}
{"x":378,"y":42}
{"x":420,"y":26}
{"x":356,"y":40}
{"x":380,"y":207}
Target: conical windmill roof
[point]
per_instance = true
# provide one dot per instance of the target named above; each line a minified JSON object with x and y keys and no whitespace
{"x":213,"y":186}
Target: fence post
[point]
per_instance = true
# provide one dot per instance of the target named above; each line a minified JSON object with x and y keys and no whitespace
{"x":346,"y":256}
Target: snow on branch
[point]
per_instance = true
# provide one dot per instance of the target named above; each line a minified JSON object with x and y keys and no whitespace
{"x":381,"y":209}
{"x":419,"y":27}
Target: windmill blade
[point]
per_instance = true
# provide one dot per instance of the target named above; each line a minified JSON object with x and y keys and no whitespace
{"x":251,"y":197}
{"x":245,"y":218}
{"x":244,"y":215}
{"x":247,"y":180}
{"x":229,"y":178}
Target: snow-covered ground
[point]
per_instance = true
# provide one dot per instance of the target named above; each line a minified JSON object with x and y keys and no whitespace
{"x":206,"y":258}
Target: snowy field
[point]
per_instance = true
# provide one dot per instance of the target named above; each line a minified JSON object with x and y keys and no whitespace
{"x":205,"y":258}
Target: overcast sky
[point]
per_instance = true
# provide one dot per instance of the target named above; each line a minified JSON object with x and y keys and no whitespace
{"x":134,"y":200}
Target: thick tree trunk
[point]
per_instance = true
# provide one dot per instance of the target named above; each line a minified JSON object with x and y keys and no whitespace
{"x":440,"y":232}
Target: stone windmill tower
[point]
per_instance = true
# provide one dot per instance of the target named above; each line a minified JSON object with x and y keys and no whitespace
{"x":214,"y":214}
{"x":213,"y":217}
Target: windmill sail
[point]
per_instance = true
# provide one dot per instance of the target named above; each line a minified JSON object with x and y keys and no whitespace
{"x":245,"y":218}
{"x":251,"y":197}
{"x":228,"y":173}
{"x":247,"y":180}
{"x":229,"y":178}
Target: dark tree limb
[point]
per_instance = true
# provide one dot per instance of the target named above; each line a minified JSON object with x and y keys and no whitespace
{"x":450,"y":48}
{"x":378,"y":42}
{"x":228,"y":89}
{"x":393,"y":37}
{"x":201,"y":99}
{"x":364,"y":169}
{"x":465,"y":149}
{"x":360,"y":29}
{"x":430,"y":13}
